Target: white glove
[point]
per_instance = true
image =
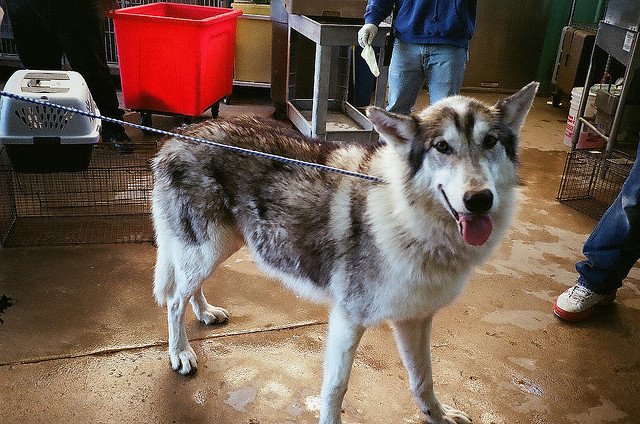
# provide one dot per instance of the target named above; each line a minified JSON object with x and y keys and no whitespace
{"x":366,"y":35}
{"x":370,"y":57}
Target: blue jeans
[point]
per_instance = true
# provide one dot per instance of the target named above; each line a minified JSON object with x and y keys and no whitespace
{"x":614,"y":245}
{"x":442,"y":64}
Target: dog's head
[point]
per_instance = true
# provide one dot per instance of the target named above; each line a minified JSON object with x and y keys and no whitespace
{"x":463,"y":151}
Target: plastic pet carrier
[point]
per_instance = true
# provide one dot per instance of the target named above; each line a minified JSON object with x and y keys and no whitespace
{"x":43,"y":139}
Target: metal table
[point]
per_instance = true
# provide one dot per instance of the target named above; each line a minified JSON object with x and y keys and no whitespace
{"x":327,"y":35}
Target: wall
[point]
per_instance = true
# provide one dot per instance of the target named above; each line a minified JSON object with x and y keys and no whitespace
{"x":515,"y":45}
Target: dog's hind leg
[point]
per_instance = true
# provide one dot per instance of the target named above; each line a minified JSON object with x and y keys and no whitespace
{"x":343,"y":337}
{"x":226,"y":242}
{"x":192,"y":264}
{"x":412,"y":337}
{"x":206,"y":312}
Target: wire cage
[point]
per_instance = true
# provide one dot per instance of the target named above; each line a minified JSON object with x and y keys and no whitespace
{"x":590,"y":183}
{"x":110,"y":202}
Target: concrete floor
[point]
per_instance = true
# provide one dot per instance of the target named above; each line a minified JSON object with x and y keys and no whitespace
{"x":84,"y":341}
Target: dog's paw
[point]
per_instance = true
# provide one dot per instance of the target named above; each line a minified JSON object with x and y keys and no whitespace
{"x":184,"y":361}
{"x":449,"y":415}
{"x":213,"y":315}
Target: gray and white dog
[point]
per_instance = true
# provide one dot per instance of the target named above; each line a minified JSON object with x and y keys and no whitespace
{"x":395,"y":251}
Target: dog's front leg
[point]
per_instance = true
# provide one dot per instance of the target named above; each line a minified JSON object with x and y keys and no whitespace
{"x":343,"y":337}
{"x":412,"y":337}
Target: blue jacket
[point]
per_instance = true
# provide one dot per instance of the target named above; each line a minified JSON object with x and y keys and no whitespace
{"x":427,"y":21}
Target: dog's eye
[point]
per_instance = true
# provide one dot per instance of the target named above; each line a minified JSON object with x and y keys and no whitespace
{"x":489,"y":141}
{"x":442,"y":146}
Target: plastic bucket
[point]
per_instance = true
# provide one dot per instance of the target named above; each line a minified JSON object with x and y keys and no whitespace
{"x":175,"y":58}
{"x":587,"y":139}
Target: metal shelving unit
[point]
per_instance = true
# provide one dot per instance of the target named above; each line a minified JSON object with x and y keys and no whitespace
{"x":618,"y":36}
{"x":592,"y":179}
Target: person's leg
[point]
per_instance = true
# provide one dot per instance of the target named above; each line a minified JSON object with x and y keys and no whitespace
{"x":79,"y":29}
{"x":34,"y":34}
{"x":406,"y":77}
{"x":445,"y":70}
{"x":614,"y":245}
{"x":611,"y":250}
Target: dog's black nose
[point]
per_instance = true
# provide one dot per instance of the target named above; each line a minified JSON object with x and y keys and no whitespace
{"x":478,"y":201}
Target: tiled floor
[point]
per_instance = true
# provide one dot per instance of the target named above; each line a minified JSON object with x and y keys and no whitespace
{"x":85,"y":343}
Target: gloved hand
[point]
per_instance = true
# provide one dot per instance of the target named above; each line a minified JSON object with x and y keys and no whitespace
{"x":367,"y":34}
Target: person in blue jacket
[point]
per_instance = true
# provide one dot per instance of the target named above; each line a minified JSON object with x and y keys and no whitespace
{"x":431,"y":42}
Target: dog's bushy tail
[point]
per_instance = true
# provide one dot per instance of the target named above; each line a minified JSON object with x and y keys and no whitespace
{"x":160,"y":293}
{"x":163,"y":281}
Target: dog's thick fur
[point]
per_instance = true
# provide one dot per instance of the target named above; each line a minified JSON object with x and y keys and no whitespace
{"x":396,"y":251}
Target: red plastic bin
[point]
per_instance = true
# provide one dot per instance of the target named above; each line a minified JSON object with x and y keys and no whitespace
{"x":175,"y":58}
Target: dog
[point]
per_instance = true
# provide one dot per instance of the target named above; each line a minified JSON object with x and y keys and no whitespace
{"x":395,"y":250}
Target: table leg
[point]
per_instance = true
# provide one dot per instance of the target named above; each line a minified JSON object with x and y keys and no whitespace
{"x":320,"y":91}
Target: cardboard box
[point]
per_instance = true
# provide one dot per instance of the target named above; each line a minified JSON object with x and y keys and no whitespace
{"x":630,"y":120}
{"x":574,"y":58}
{"x":607,"y":102}
{"x":341,"y":9}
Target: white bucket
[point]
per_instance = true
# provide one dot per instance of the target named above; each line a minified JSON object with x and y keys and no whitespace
{"x":587,"y":139}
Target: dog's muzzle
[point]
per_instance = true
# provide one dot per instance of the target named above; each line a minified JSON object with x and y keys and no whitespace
{"x":476,"y":225}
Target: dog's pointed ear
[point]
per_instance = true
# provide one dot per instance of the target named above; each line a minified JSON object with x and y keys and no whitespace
{"x":515,"y":108}
{"x":398,"y":130}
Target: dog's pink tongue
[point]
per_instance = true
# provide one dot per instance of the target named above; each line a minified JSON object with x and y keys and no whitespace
{"x":475,"y":229}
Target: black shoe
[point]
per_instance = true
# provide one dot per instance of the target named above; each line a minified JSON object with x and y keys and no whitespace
{"x":115,"y":136}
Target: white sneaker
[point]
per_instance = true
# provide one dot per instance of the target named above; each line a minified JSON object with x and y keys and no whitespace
{"x":577,"y":303}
